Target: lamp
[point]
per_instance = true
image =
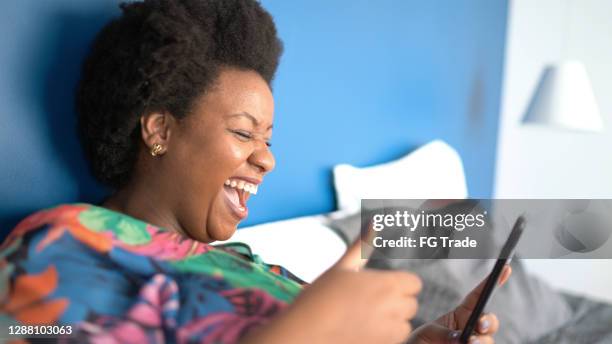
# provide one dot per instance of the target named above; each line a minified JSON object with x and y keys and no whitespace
{"x":564,"y":98}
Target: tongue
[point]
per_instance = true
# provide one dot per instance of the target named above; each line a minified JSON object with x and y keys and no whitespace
{"x":242,"y":198}
{"x":233,"y":196}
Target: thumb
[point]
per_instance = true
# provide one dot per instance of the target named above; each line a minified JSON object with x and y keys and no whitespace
{"x":434,"y":333}
{"x":358,"y":253}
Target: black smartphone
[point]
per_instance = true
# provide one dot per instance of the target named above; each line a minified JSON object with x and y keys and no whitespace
{"x":504,"y":258}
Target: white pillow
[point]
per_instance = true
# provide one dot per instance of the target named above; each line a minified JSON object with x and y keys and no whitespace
{"x":432,"y":171}
{"x":303,"y":245}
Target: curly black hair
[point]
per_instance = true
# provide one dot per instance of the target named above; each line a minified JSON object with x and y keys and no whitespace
{"x":161,"y":55}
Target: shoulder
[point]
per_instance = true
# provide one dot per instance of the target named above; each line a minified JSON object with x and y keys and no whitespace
{"x":53,"y":234}
{"x":63,"y":213}
{"x":46,"y":260}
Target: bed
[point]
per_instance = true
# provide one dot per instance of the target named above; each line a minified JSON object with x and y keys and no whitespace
{"x":530,"y":308}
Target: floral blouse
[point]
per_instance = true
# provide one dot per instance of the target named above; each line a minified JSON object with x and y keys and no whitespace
{"x":113,"y":278}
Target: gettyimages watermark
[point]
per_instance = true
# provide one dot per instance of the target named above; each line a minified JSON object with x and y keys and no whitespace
{"x":476,"y":228}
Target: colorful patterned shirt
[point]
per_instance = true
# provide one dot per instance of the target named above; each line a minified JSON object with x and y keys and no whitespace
{"x":114,"y":278}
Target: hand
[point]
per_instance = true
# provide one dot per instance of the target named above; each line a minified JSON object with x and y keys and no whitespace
{"x":447,"y":328}
{"x":348,"y":304}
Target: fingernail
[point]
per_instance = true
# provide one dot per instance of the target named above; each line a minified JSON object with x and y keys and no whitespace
{"x":474,"y":340}
{"x":454,"y":336}
{"x":484,"y":325}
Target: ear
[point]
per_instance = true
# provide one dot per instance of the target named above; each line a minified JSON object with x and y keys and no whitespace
{"x":156,"y":128}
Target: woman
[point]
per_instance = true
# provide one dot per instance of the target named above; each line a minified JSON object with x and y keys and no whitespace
{"x":175,"y":115}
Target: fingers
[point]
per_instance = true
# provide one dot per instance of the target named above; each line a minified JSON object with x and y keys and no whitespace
{"x":469,"y":302}
{"x":351,"y":259}
{"x":488,"y":324}
{"x":472,"y":298}
{"x":357,"y":255}
{"x":434,"y":333}
{"x":484,"y":339}
{"x":504,"y":275}
{"x":400,"y":309}
{"x":406,"y":308}
{"x":399,"y":333}
{"x":409,"y":284}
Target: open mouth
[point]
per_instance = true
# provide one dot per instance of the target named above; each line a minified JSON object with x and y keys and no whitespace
{"x":237,"y":192}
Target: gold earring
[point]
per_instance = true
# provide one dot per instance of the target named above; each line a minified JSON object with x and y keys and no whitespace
{"x":156,"y":149}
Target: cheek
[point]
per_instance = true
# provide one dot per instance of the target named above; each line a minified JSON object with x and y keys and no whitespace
{"x":231,"y":155}
{"x":213,"y":156}
{"x":219,"y":224}
{"x":204,"y":163}
{"x":239,"y":154}
{"x":226,"y":150}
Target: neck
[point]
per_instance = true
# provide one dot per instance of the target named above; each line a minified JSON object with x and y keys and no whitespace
{"x":144,"y":203}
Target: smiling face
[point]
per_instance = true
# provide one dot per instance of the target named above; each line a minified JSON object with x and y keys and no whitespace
{"x":224,"y":140}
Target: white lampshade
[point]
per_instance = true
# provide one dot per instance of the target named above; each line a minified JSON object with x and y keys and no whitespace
{"x":564,"y":98}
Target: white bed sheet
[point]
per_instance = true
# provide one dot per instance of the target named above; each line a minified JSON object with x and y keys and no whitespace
{"x":303,"y":245}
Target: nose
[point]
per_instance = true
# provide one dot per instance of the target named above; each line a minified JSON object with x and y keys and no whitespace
{"x":262,"y":158}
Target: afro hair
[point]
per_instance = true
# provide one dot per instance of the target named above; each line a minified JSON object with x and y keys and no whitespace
{"x":161,"y":55}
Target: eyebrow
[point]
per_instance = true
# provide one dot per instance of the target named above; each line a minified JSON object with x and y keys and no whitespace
{"x":249,"y":116}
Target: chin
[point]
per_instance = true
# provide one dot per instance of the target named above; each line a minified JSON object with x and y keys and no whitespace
{"x":221,"y":233}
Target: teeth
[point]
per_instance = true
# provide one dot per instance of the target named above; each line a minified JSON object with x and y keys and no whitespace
{"x":242,"y":185}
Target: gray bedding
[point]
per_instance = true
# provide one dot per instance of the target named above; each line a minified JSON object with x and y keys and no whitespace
{"x":529,"y":310}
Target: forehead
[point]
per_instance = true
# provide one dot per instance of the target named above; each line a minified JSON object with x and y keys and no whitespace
{"x":237,"y":91}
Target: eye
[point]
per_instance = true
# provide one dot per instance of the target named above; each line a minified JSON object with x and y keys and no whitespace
{"x":243,"y":135}
{"x":269,"y":144}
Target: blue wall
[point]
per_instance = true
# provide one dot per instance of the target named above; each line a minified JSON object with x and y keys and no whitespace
{"x":360,"y":82}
